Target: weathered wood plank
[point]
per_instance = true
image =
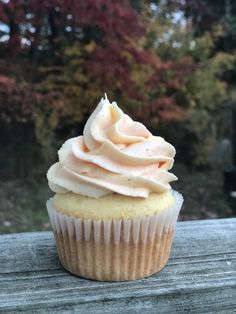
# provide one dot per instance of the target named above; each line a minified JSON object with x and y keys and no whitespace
{"x":200,"y":276}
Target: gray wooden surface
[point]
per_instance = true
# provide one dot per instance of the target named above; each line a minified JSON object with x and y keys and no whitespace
{"x":200,"y":276}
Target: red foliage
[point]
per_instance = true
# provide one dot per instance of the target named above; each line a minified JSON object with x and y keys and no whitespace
{"x":171,"y":74}
{"x":166,"y":108}
{"x":17,"y":102}
{"x":37,"y":31}
{"x":117,"y":20}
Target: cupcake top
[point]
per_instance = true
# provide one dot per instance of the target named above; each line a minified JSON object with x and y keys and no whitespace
{"x":114,"y":155}
{"x":112,"y":206}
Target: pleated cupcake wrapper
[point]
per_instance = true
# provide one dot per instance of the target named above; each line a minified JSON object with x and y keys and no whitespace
{"x":125,"y":230}
{"x":115,"y":250}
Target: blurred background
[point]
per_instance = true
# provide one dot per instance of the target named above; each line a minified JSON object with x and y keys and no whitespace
{"x":169,"y":64}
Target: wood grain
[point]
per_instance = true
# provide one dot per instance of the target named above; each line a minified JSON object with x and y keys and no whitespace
{"x":200,"y":276}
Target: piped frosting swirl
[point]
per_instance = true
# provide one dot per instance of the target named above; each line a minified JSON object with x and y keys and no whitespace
{"x":115,"y":154}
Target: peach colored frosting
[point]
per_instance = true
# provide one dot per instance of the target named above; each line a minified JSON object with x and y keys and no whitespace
{"x":115,"y":154}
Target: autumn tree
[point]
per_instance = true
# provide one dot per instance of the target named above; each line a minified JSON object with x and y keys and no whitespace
{"x":58,"y":57}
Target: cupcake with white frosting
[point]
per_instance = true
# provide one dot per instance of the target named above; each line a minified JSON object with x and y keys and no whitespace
{"x":113,"y":213}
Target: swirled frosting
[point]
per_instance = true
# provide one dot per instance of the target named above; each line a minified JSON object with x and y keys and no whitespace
{"x":115,"y":154}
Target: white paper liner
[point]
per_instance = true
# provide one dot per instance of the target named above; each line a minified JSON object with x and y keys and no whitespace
{"x":132,"y":228}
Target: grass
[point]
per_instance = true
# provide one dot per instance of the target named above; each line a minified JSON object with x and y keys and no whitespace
{"x":203,"y":192}
{"x":23,"y":201}
{"x":23,"y":206}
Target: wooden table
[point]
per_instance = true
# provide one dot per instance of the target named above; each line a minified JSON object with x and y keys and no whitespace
{"x":200,"y":276}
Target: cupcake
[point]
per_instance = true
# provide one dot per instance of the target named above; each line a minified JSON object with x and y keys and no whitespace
{"x":113,"y":213}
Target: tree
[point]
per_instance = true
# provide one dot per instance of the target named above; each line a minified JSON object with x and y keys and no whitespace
{"x":59,"y":57}
{"x":78,"y":50}
{"x":204,"y":95}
